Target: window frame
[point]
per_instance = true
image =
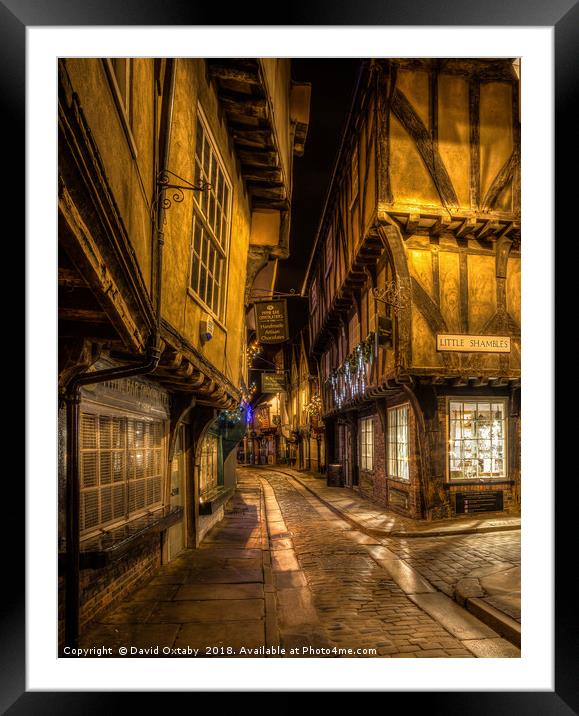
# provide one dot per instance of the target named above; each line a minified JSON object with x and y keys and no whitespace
{"x":101,"y":410}
{"x":214,"y":438}
{"x":366,"y":432}
{"x":209,"y":235}
{"x":396,"y":459}
{"x":124,"y":108}
{"x":485,"y":478}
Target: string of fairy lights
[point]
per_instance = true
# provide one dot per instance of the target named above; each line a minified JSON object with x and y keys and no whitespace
{"x":231,"y":418}
{"x":349,"y":380}
{"x":314,"y":407}
{"x":253,"y":350}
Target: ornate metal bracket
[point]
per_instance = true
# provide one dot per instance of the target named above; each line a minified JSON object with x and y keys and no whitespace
{"x":395,"y":294}
{"x":166,"y":181}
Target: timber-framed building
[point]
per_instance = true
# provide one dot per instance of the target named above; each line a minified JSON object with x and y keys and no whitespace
{"x":175,"y":183}
{"x":414,"y":288}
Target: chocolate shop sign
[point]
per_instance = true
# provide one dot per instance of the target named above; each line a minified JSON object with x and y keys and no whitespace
{"x":473,"y":344}
{"x":271,"y":321}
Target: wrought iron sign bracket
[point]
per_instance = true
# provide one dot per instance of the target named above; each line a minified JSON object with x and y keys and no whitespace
{"x":168,"y":180}
{"x":395,"y":294}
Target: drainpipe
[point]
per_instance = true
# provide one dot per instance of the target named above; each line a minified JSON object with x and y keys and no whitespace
{"x":166,"y":124}
{"x":72,"y":401}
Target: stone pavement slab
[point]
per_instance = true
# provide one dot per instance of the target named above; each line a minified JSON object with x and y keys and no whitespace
{"x":181,"y":611}
{"x":219,"y":591}
{"x":380,"y":520}
{"x":237,"y":634}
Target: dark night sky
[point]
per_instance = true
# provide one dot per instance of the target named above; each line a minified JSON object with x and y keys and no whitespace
{"x":333,"y":82}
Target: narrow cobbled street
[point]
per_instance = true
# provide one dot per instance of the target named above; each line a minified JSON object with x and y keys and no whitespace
{"x":283,"y":576}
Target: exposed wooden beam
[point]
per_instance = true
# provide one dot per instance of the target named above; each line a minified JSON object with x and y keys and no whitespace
{"x":441,"y":225}
{"x":467,"y":227}
{"x":258,"y":158}
{"x":81,"y":314}
{"x":474,"y":141}
{"x":412,"y":223}
{"x":489,"y":230}
{"x":501,"y":181}
{"x":253,"y":137}
{"x":267,"y":192}
{"x":170,"y":359}
{"x":262,"y":174}
{"x":232,"y":72}
{"x":412,"y":123}
{"x":259,"y":203}
{"x":70,"y":278}
{"x":252,"y":107}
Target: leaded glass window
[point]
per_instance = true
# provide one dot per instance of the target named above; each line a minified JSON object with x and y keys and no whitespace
{"x":398,"y":441}
{"x":367,"y":444}
{"x":477,"y":439}
{"x":211,"y":223}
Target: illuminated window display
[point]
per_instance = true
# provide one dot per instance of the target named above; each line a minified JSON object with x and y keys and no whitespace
{"x":208,"y":474}
{"x":477,"y":439}
{"x":121,"y":468}
{"x":398,"y":443}
{"x":366,"y":443}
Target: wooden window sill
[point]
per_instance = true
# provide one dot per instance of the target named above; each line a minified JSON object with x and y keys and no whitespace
{"x":212,"y":501}
{"x":485,"y":481}
{"x":110,"y":546}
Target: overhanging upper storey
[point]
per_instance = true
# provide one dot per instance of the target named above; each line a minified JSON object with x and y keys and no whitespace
{"x":267,"y":116}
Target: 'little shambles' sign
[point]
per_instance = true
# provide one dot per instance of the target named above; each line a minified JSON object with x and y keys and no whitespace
{"x":271,"y":321}
{"x":473,"y":344}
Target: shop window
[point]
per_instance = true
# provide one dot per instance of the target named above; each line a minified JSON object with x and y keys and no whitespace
{"x":209,"y":464}
{"x":367,"y":444}
{"x":121,"y":468}
{"x":398,"y":442}
{"x":477,"y":439}
{"x":211,"y":224}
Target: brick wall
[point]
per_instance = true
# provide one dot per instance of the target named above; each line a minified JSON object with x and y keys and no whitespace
{"x":101,"y":588}
{"x":380,"y":492}
{"x":509,"y":504}
{"x":404,"y":497}
{"x":367,"y":479}
{"x":401,"y":496}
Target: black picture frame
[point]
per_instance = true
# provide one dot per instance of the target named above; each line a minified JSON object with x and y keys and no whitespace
{"x":563,"y":16}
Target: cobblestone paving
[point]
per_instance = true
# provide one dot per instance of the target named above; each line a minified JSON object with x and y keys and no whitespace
{"x":358,"y":605}
{"x":444,"y":561}
{"x":282,"y":570}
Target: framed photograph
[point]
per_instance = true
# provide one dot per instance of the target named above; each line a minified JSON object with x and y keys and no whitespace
{"x":125,"y":476}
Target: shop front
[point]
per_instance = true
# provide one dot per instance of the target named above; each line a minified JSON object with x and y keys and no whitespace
{"x":433,"y":454}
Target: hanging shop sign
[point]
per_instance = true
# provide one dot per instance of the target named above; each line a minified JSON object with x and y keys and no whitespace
{"x":384,"y":332}
{"x":262,"y":414}
{"x":273,"y":383}
{"x":271,"y":321}
{"x":473,"y":344}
